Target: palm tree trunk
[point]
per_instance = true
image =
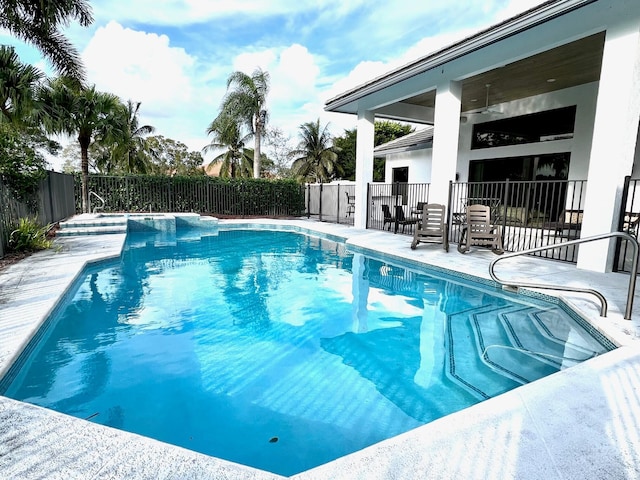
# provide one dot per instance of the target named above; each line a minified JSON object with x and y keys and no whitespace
{"x":256,"y":152}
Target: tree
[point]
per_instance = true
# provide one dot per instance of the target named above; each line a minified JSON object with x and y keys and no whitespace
{"x":384,"y":131}
{"x":279,"y":151}
{"x":39,"y":23}
{"x":18,"y":85}
{"x":347,"y":153}
{"x":246,"y":101}
{"x":130,"y":152}
{"x":84,"y":112}
{"x":235,"y":159}
{"x":317,"y":159}
{"x":22,"y":165}
{"x":171,"y":157}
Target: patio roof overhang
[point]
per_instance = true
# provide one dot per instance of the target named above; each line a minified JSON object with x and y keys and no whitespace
{"x":520,"y":57}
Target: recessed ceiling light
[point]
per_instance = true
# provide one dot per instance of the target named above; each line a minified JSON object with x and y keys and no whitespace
{"x":551,"y":80}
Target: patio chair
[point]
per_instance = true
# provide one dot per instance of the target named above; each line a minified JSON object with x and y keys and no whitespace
{"x":418,"y":208}
{"x":432,"y":227}
{"x":402,"y":220}
{"x":386,"y":213}
{"x":479,"y":231}
{"x":351,"y":204}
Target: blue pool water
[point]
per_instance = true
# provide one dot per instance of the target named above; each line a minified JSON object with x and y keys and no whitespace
{"x":282,"y":351}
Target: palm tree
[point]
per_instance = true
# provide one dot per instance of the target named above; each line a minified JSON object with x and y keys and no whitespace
{"x":317,"y":158}
{"x":236,"y":159}
{"x":246,"y":102}
{"x":83,"y":111}
{"x":130,"y":151}
{"x":18,"y":85}
{"x":39,"y":23}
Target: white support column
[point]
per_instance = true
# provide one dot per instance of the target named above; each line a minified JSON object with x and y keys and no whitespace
{"x":614,"y":143}
{"x":364,"y":165}
{"x":446,"y":130}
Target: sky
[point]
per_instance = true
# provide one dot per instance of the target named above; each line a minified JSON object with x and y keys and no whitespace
{"x":174,"y":56}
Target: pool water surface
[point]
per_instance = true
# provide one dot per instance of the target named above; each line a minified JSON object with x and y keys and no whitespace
{"x":283,"y":351}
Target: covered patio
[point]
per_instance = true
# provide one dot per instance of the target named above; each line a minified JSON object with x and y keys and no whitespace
{"x":574,"y":60}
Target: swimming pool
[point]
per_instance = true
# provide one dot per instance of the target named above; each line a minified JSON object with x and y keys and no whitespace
{"x":399,"y":351}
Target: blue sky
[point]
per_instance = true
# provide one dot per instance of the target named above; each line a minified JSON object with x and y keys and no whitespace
{"x":174,"y":56}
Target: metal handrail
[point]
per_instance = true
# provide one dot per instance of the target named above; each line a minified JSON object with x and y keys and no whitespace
{"x":603,"y":301}
{"x":101,"y":207}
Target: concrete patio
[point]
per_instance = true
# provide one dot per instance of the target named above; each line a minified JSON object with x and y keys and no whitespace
{"x":580,"y":423}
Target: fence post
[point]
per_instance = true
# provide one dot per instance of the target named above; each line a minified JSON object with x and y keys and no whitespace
{"x":320,"y":204}
{"x":623,"y":208}
{"x":369,"y":205}
{"x":504,"y":206}
{"x":449,"y":205}
{"x":338,"y":206}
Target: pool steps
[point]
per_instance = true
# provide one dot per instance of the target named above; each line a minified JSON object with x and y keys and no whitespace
{"x":105,"y":223}
{"x":501,"y":338}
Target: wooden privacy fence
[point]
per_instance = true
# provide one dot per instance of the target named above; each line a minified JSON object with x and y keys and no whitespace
{"x":232,"y":197}
{"x":53,"y":201}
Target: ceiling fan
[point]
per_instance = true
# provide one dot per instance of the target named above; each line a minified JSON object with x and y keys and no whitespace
{"x":486,"y":110}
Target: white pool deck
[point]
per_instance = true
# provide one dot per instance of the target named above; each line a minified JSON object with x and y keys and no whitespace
{"x":580,"y":423}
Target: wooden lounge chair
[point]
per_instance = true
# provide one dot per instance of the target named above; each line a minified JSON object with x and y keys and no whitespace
{"x":479,"y":231}
{"x":432,"y":227}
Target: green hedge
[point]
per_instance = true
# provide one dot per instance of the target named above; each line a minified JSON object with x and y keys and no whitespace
{"x":215,"y":196}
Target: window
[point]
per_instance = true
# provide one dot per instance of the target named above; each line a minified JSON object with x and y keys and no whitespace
{"x":532,"y":167}
{"x":537,"y":127}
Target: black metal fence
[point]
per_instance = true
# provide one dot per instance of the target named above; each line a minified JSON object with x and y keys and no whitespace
{"x":334,"y":203}
{"x":395,"y":205}
{"x":240,"y":198}
{"x":531,"y":214}
{"x":53,"y":201}
{"x":628,"y":222}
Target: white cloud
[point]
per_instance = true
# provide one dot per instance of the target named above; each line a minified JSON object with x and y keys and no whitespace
{"x":145,"y":67}
{"x":139,"y":66}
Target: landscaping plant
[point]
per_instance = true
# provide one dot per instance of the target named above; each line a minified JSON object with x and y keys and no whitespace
{"x":29,"y":235}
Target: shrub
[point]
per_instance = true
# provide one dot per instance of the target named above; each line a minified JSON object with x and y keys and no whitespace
{"x":29,"y":236}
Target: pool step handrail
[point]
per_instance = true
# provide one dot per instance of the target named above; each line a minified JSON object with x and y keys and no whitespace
{"x":96,"y":208}
{"x":603,"y":301}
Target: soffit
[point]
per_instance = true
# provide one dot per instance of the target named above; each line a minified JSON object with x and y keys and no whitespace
{"x":572,"y":64}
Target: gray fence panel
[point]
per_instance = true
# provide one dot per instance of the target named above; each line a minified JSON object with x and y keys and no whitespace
{"x":54,"y":201}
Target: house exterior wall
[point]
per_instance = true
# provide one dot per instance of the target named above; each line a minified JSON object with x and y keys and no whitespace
{"x":418,"y":161}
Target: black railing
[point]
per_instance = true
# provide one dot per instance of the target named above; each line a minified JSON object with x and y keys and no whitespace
{"x":628,"y":222}
{"x":393,"y":206}
{"x":531,"y":214}
{"x":234,"y":197}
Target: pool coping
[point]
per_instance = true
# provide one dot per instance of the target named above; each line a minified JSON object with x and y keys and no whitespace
{"x":411,"y":455}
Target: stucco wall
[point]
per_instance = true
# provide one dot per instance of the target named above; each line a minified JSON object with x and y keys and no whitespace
{"x":418,"y":161}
